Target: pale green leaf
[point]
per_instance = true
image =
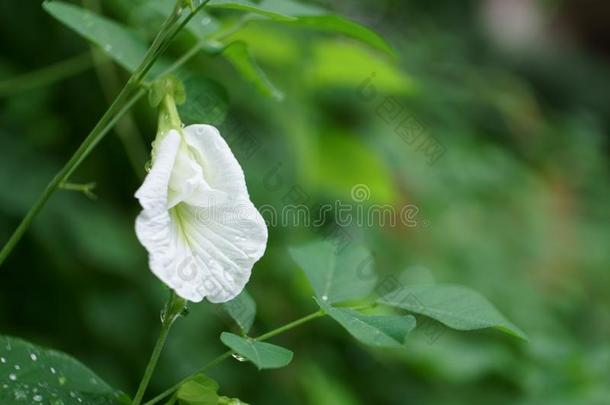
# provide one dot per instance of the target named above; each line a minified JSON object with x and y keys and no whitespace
{"x":263,"y":355}
{"x":31,"y":374}
{"x":242,"y":309}
{"x":199,"y":390}
{"x":378,"y":331}
{"x":336,"y":274}
{"x":347,"y":65}
{"x":339,"y":25}
{"x":454,"y":306}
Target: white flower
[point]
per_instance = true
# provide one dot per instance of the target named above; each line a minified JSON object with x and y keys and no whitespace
{"x":202,"y":232}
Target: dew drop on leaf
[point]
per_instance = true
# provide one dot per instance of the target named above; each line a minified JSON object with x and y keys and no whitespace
{"x":238,"y":357}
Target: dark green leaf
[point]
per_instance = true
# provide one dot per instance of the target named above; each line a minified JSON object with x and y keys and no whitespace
{"x":455,"y":306}
{"x":336,"y":274}
{"x":30,"y":375}
{"x":242,"y":309}
{"x":263,"y":355}
{"x":114,"y":39}
{"x":309,"y":16}
{"x":378,"y":331}
{"x":275,"y":9}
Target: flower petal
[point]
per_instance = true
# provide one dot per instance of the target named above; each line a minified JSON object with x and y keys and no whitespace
{"x":201,"y":230}
{"x":221,"y":170}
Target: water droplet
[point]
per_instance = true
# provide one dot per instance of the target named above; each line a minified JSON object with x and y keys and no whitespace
{"x":17,"y":367}
{"x":37,"y":398}
{"x":62,"y":380}
{"x":53,"y":371}
{"x":19,"y":395}
{"x":325,"y":298}
{"x":206,"y":20}
{"x":33,"y":357}
{"x":108,"y":47}
{"x":148,"y":166}
{"x":238,"y":357}
{"x":12,"y":377}
{"x":2,"y":360}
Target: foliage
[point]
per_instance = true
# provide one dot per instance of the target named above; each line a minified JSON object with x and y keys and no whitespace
{"x":516,"y":208}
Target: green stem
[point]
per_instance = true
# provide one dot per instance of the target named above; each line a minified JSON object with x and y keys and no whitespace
{"x":45,"y":76}
{"x":228,"y":353}
{"x":201,"y":44}
{"x":100,"y":129}
{"x":86,"y":188}
{"x":174,"y":307}
{"x":152,"y":363}
{"x":291,"y":325}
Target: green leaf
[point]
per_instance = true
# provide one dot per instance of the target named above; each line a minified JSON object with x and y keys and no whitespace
{"x":263,"y":355}
{"x":283,"y":10}
{"x":30,"y":375}
{"x":336,"y":275}
{"x":347,"y":65}
{"x":310,"y":16}
{"x":206,"y":101}
{"x":241,"y":58}
{"x":339,"y":25}
{"x":378,"y":331}
{"x":242,"y":309}
{"x":200,"y":390}
{"x":454,"y":306}
{"x":114,"y":39}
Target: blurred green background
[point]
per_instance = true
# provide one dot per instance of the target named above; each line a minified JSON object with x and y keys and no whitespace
{"x":517,"y":93}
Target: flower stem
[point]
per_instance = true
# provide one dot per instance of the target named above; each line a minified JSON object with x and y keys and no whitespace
{"x":174,"y":307}
{"x":227,"y":354}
